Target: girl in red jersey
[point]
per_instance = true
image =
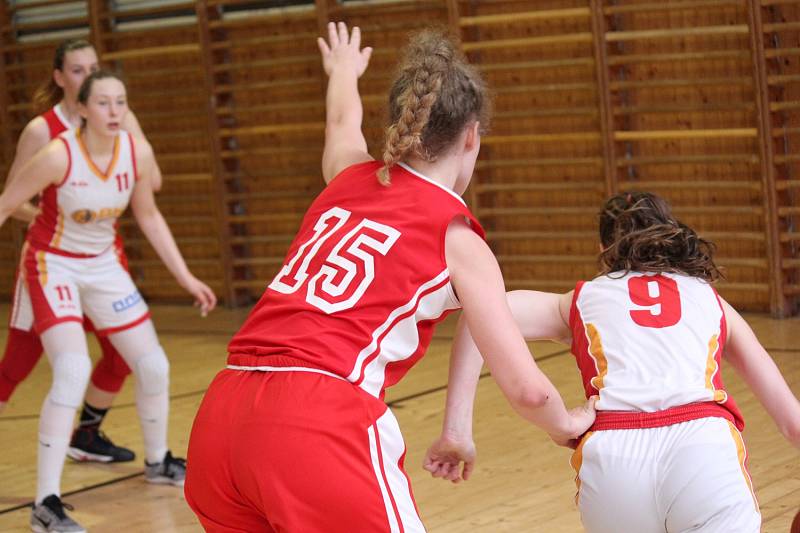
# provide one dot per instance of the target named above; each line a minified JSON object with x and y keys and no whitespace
{"x":649,"y":334}
{"x":57,"y":100}
{"x":294,"y":435}
{"x":86,"y":178}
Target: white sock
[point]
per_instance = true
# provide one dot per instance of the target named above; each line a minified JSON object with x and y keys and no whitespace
{"x":55,"y":428}
{"x":153,"y":416}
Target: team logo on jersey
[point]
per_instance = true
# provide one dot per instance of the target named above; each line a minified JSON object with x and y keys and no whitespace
{"x":127,"y":302}
{"x":85,"y":216}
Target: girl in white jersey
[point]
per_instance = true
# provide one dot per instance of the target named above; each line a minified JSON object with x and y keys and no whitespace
{"x":665,"y":453}
{"x":56,"y":101}
{"x":86,"y":178}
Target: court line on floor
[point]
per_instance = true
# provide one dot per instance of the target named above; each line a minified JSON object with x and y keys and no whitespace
{"x":393,"y":403}
{"x":76,"y":491}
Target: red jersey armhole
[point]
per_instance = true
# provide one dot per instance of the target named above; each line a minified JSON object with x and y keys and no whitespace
{"x":133,"y":158}
{"x":69,"y":162}
{"x":471,"y":221}
{"x":723,"y":323}
{"x":573,"y":308}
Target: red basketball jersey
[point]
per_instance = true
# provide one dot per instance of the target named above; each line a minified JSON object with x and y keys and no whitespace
{"x":363,"y":283}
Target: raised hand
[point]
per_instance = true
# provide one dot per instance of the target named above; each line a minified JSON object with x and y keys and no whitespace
{"x":343,"y":49}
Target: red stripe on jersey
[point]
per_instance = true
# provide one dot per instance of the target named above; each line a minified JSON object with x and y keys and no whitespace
{"x":580,"y":345}
{"x":729,"y":402}
{"x":54,"y":123}
{"x":377,"y":351}
{"x":133,"y":158}
{"x":69,"y":162}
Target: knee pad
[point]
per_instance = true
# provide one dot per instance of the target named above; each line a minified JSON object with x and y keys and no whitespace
{"x":152,"y":372}
{"x":70,"y":377}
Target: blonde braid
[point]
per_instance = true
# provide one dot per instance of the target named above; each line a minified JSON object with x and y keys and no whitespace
{"x":416,"y":101}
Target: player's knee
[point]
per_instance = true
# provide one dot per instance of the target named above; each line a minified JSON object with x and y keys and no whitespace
{"x":70,"y":377}
{"x":152,"y":372}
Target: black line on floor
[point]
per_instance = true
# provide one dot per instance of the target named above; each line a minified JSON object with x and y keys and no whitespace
{"x":76,"y":491}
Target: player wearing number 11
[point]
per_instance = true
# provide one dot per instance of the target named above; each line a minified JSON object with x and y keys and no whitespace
{"x":649,"y":335}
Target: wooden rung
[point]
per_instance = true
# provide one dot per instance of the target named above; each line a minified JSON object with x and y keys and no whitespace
{"x":766,"y":3}
{"x":685,"y":82}
{"x":690,"y":184}
{"x":784,"y":79}
{"x":13,"y":29}
{"x":542,"y":64}
{"x":262,"y":239}
{"x":685,"y":134}
{"x":199,"y":261}
{"x":790,"y":263}
{"x":544,"y":258}
{"x":255,"y":284}
{"x":175,"y":49}
{"x":780,"y":26}
{"x":743,"y":262}
{"x":791,"y":158}
{"x":158,"y":11}
{"x":540,"y":162}
{"x":791,"y":290}
{"x":669,"y":6}
{"x":703,"y":31}
{"x":258,"y":86}
{"x":295,"y":148}
{"x":520,"y":284}
{"x":179,"y":113}
{"x":30,"y":65}
{"x":546,"y":111}
{"x":264,"y":217}
{"x":688,"y":159}
{"x":257,"y":261}
{"x":545,"y":87}
{"x":541,"y":186}
{"x":788,"y":211}
{"x":261,"y":41}
{"x":541,"y":235}
{"x":535,"y":211}
{"x":732,"y":235}
{"x":685,"y":108}
{"x":790,"y":236}
{"x":186,"y":240}
{"x":783,"y":106}
{"x":746,"y":287}
{"x":718,"y":209}
{"x":785,"y":185}
{"x":251,"y":110}
{"x":187,"y":219}
{"x":183,"y":156}
{"x":527,"y":16}
{"x":540,"y":137}
{"x":290,"y":60}
{"x":678,"y":57}
{"x":271,"y":194}
{"x":300,"y":13}
{"x":15,"y":7}
{"x":781,"y":52}
{"x":528,"y":41}
{"x":278,"y":128}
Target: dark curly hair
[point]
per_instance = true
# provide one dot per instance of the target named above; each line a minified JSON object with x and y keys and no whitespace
{"x":639,"y":233}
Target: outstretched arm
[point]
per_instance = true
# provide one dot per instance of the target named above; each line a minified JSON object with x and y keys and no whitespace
{"x":753,"y":363}
{"x":344,"y":62}
{"x":157,"y":231}
{"x":48,"y":166}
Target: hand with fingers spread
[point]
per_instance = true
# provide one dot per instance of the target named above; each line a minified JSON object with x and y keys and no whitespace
{"x":445,"y":456}
{"x":343,"y":49}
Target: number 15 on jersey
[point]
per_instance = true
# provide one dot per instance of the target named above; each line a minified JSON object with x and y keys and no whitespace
{"x":349,"y":269}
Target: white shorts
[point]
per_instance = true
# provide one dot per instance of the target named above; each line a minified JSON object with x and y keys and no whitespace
{"x":690,"y":476}
{"x":62,"y":289}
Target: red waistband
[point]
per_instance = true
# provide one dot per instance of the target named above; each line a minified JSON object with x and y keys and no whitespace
{"x":640,"y":420}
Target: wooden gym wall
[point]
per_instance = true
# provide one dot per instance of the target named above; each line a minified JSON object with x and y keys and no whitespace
{"x":698,"y":100}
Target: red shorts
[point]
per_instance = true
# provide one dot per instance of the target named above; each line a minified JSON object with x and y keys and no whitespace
{"x":297,"y":451}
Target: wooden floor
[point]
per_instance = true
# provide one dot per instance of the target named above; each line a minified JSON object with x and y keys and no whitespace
{"x":522,"y":481}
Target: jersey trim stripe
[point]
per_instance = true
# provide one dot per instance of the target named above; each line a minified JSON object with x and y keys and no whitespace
{"x":373,"y":350}
{"x":103,"y":175}
{"x":69,"y":162}
{"x":426,"y":178}
{"x":60,"y":114}
{"x":376,"y":455}
{"x":742,"y":453}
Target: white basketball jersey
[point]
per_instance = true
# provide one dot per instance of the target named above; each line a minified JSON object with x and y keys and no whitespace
{"x":647,"y":342}
{"x":79,"y":215}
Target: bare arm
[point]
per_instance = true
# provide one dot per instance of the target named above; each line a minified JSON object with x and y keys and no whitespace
{"x":477,"y":278}
{"x":48,"y":166}
{"x":34,"y":137}
{"x":131,"y":125}
{"x":344,"y":62}
{"x":157,"y":231}
{"x":753,"y":363}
